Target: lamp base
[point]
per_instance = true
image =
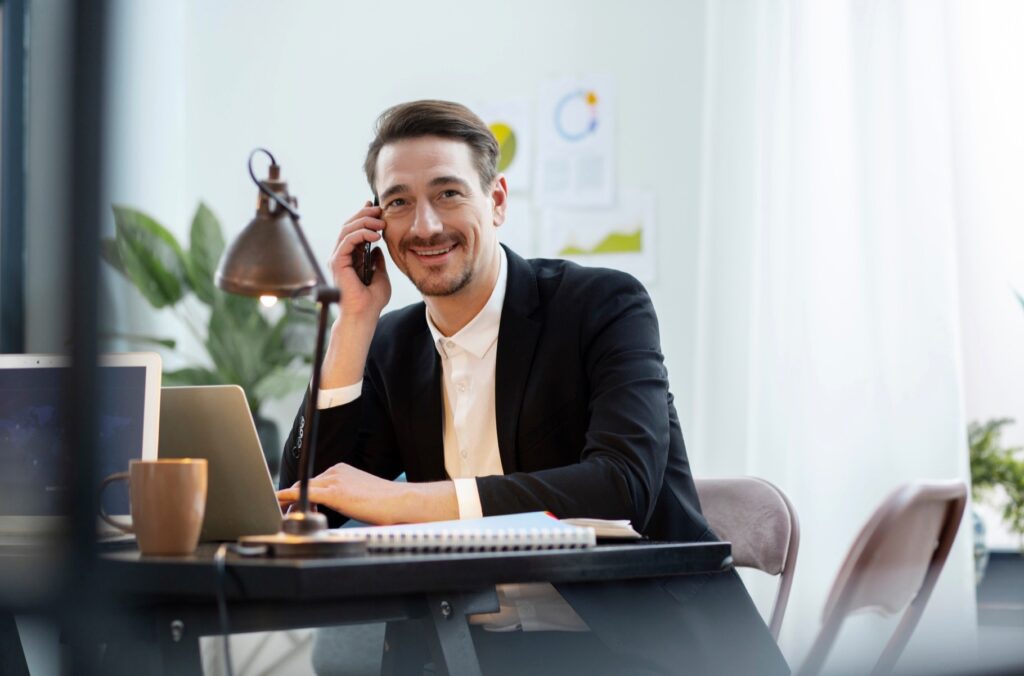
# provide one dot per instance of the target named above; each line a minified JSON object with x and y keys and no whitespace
{"x":303,"y":523}
{"x":305,"y":534}
{"x":325,"y":544}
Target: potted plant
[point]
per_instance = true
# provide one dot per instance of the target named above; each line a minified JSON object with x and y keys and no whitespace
{"x":995,"y":466}
{"x":267,"y":353}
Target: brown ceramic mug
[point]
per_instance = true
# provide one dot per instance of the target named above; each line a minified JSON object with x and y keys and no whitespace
{"x":168,"y":499}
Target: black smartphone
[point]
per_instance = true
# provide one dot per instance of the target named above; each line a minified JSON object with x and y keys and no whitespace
{"x":362,"y":261}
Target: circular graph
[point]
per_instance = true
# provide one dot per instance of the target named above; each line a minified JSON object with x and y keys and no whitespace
{"x":576,"y":115}
{"x":506,"y":144}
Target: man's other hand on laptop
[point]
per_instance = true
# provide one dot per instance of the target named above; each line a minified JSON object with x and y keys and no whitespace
{"x":362,"y":496}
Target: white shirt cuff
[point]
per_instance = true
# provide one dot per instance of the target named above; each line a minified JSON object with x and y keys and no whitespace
{"x":339,"y":396}
{"x":468,"y":497}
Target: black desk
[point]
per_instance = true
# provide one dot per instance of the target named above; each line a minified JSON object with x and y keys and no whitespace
{"x":171,"y":602}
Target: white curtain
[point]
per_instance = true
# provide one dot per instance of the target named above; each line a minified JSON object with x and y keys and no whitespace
{"x":828,"y":356}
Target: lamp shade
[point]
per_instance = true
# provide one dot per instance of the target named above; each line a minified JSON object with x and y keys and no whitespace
{"x":267,"y":258}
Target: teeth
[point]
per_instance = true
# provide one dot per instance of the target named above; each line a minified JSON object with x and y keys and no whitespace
{"x":435,"y":252}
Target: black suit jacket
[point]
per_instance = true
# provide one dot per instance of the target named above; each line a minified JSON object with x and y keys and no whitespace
{"x":586,"y":423}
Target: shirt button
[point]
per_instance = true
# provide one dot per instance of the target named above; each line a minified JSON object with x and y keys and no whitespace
{"x":450,"y":344}
{"x":464,"y":455}
{"x":462,"y":387}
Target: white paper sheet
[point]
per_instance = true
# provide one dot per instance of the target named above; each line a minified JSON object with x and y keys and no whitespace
{"x":576,"y":142}
{"x":620,"y":237}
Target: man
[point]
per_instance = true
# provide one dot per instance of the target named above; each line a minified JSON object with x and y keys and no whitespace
{"x":515,"y":386}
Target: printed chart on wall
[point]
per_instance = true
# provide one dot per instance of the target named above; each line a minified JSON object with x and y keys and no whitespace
{"x":510,"y":123}
{"x":576,"y":142}
{"x":620,"y":237}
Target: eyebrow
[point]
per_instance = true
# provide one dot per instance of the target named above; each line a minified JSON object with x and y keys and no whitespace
{"x":440,"y":180}
{"x":401,"y":187}
{"x":446,"y":180}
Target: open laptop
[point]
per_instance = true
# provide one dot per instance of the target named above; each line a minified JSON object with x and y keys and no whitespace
{"x":214,"y":422}
{"x":33,"y":415}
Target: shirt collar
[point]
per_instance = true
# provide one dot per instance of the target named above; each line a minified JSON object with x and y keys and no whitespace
{"x":481,"y":332}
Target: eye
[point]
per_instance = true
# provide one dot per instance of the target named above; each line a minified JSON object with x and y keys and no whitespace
{"x":447,"y":194}
{"x":395,"y":203}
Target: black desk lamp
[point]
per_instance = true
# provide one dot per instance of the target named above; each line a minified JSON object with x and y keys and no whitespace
{"x":271,"y":257}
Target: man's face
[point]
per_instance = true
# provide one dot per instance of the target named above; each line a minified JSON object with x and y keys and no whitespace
{"x":441,"y":227}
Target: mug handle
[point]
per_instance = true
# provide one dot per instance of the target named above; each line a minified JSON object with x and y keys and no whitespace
{"x":119,"y":476}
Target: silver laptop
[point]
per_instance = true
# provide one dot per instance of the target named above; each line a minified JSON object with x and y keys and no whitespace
{"x":214,"y":422}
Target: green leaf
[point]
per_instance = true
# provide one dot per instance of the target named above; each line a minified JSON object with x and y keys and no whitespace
{"x":169,"y":343}
{"x":152,"y":258}
{"x":238,"y":333}
{"x":298,"y":328}
{"x":192,"y":375}
{"x":206,"y":246}
{"x":995,"y":465}
{"x":279,"y":382}
{"x":109,"y":253}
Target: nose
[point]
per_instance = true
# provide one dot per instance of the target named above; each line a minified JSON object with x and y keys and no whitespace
{"x":427,"y":222}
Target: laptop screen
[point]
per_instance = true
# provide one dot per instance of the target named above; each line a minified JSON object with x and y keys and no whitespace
{"x":34,"y":473}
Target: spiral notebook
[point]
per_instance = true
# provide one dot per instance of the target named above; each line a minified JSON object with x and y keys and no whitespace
{"x":509,"y":532}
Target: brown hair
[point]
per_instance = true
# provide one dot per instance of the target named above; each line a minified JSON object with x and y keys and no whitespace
{"x":435,"y":118}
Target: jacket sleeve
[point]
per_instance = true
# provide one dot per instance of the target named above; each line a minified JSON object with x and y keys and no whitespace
{"x":619,"y":471}
{"x":359,"y":433}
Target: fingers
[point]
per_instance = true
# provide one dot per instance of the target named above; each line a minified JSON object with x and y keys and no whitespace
{"x":318,"y":493}
{"x":379,"y":267}
{"x":288,"y":495}
{"x":322,"y":496}
{"x":368,"y":218}
{"x":352,"y":235}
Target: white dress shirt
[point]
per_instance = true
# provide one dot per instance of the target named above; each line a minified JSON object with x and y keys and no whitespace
{"x":468,"y":361}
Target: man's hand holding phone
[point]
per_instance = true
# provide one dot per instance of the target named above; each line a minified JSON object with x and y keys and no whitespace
{"x":361,"y":298}
{"x":361,"y":304}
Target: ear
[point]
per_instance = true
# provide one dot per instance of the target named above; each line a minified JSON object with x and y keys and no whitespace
{"x":499,"y":197}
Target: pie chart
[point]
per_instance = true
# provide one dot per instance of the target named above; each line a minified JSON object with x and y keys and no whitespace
{"x":506,"y":144}
{"x":576,"y":115}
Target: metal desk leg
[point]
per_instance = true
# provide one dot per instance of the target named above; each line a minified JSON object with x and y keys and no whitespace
{"x":12,"y":656}
{"x":179,"y":647}
{"x":404,"y":649}
{"x":450,"y":641}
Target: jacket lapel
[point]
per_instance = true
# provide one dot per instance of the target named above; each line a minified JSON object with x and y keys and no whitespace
{"x":517,"y":341}
{"x":425,"y":403}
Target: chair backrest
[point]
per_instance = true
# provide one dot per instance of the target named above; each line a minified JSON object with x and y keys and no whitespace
{"x":893,"y":565}
{"x":761,"y":523}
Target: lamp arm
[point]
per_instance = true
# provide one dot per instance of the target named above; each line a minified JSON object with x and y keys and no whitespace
{"x":325,"y":295}
{"x":320,"y":280}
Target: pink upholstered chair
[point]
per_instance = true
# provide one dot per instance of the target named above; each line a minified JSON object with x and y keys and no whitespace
{"x":760,"y":522}
{"x":893,"y":565}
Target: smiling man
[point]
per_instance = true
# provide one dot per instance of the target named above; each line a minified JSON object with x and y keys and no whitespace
{"x":515,"y":386}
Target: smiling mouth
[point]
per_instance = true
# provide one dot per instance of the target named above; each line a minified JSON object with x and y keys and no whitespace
{"x":434,"y":252}
{"x":431,"y":253}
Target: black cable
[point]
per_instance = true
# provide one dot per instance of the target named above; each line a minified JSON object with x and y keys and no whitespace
{"x":282,"y":200}
{"x":222,"y":604}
